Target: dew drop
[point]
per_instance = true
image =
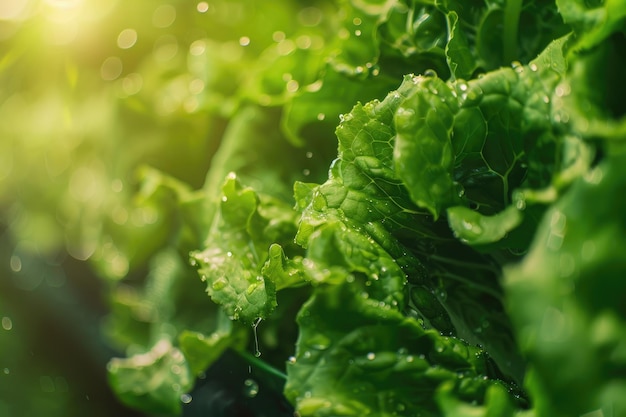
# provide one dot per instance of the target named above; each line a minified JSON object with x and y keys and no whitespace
{"x":371,"y":356}
{"x":15,"y":263}
{"x":185,"y":398}
{"x":7,"y":323}
{"x":219,"y":284}
{"x":255,"y":325}
{"x":319,"y":342}
{"x":251,"y":388}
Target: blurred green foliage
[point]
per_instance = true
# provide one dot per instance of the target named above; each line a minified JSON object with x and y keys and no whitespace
{"x":91,"y":91}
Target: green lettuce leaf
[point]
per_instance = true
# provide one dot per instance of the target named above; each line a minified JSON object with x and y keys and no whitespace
{"x":201,"y":350}
{"x":593,"y":22}
{"x":462,"y":145}
{"x":357,"y":357}
{"x":573,"y":274}
{"x":362,"y":224}
{"x":237,"y":249}
{"x":153,"y":381}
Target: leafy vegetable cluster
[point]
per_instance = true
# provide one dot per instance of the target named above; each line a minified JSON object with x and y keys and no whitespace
{"x":459,"y":252}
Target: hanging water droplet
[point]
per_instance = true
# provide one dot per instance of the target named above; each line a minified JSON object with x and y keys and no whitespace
{"x":255,"y":325}
{"x":251,"y":388}
{"x":185,"y":398}
{"x":371,"y":356}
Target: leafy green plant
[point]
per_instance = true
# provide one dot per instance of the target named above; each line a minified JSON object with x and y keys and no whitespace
{"x":413,"y":204}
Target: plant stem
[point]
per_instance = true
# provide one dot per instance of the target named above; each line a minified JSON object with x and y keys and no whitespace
{"x":262,"y":365}
{"x":511,"y":26}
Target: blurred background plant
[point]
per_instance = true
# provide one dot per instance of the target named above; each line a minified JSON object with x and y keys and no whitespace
{"x":91,"y":91}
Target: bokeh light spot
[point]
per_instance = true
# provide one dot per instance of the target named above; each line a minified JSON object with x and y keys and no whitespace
{"x":164,"y":16}
{"x":127,"y":38}
{"x":111,"y":68}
